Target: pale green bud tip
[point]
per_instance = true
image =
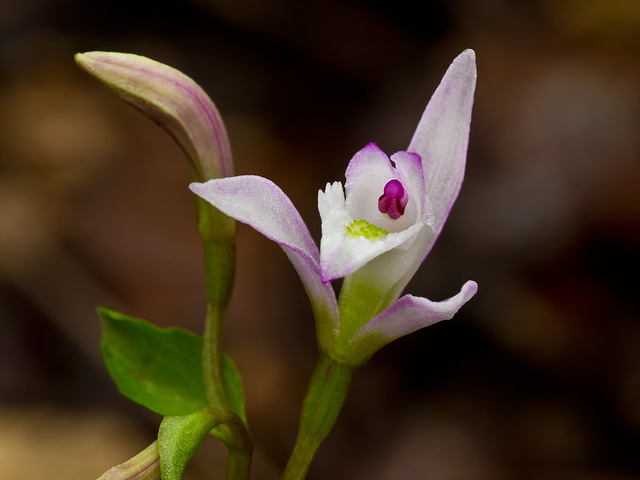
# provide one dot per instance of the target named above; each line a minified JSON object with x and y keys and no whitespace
{"x":362,"y":228}
{"x":172,"y":100}
{"x":144,"y":466}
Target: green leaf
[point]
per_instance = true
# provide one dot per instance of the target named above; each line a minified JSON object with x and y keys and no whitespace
{"x":179,"y":437}
{"x":233,"y":387}
{"x":161,"y":368}
{"x":158,"y":368}
{"x":235,"y":395}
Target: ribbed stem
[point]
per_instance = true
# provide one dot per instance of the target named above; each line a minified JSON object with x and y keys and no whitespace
{"x":325,"y":396}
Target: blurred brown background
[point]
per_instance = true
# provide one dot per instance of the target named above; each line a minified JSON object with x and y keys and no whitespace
{"x":538,"y":377}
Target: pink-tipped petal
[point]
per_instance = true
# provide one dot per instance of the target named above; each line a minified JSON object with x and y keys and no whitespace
{"x":442,"y":135}
{"x":405,"y":316}
{"x":261,"y":204}
{"x":369,"y":160}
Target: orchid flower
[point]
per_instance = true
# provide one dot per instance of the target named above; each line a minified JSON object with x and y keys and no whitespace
{"x":376,"y":229}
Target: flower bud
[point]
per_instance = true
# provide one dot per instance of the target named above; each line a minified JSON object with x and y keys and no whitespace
{"x":144,"y":466}
{"x":176,"y":103}
{"x":172,"y":100}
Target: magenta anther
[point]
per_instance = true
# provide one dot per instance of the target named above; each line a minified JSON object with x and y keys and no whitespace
{"x":393,"y":200}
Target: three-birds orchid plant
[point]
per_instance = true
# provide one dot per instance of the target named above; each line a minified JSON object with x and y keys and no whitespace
{"x":377,"y":229}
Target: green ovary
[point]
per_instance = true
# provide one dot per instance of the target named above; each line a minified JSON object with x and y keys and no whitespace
{"x":362,"y":228}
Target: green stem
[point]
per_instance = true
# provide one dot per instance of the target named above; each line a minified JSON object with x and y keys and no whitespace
{"x":219,"y":272}
{"x":219,"y":257}
{"x":218,"y":234}
{"x":239,"y":448}
{"x":326,"y":394}
{"x":239,"y":463}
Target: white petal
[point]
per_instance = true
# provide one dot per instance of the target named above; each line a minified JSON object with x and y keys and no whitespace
{"x":442,"y":135}
{"x":409,"y":168}
{"x":405,"y":316}
{"x":261,"y":204}
{"x":341,"y":253}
